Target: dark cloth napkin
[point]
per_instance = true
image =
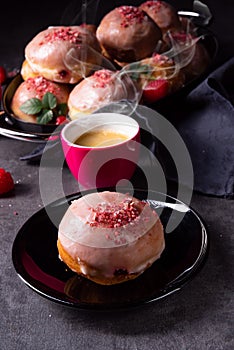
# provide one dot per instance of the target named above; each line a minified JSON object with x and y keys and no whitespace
{"x":206,"y":123}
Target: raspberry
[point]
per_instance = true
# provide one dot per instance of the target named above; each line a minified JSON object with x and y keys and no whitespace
{"x":2,"y":75}
{"x":155,"y":90}
{"x":6,"y":181}
{"x":61,"y":120}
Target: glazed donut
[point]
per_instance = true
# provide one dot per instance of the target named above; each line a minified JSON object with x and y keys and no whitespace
{"x":101,"y":88}
{"x":27,"y":72}
{"x":36,"y":87}
{"x":58,"y":53}
{"x":161,"y":67}
{"x":91,"y":27}
{"x":110,"y":237}
{"x":193,"y":58}
{"x":127,"y":34}
{"x":163,"y":14}
{"x":187,"y":25}
{"x":199,"y":62}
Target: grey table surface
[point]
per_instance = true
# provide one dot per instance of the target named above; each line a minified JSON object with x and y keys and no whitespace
{"x":199,"y":316}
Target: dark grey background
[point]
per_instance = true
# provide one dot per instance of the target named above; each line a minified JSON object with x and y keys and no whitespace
{"x":21,"y":21}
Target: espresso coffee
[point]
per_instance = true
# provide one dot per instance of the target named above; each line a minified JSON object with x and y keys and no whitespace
{"x":100,"y":138}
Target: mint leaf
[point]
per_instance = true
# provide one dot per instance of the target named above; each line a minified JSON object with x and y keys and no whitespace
{"x":134,"y":66}
{"x":135,"y":70}
{"x":49,"y":101}
{"x":62,"y":109}
{"x":45,"y":109}
{"x":45,"y":116}
{"x":31,"y":106}
{"x":146,"y":69}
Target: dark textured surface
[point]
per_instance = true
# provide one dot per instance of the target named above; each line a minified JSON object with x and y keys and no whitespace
{"x":200,"y":316}
{"x":206,"y":125}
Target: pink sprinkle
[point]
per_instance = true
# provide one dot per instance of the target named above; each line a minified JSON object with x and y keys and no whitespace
{"x":154,"y":5}
{"x":64,"y":34}
{"x":130,"y":15}
{"x":102,"y":78}
{"x":115,"y":215}
{"x":40,"y":85}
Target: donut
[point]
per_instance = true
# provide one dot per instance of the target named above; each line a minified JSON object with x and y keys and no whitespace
{"x":110,"y":237}
{"x":99,"y":89}
{"x":163,"y":14}
{"x":27,"y":72}
{"x":127,"y":34}
{"x":58,"y":53}
{"x":158,"y":67}
{"x":199,"y":62}
{"x":91,"y":27}
{"x":187,"y":25}
{"x":192,"y":56}
{"x":36,"y":88}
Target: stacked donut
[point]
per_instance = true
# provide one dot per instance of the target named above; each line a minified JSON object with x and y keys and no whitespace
{"x":151,"y":45}
{"x":138,"y":53}
{"x":55,"y":60}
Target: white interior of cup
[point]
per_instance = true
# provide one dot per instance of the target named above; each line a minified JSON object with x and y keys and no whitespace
{"x":114,"y":122}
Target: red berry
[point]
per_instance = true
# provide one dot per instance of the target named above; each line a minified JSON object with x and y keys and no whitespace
{"x":2,"y":75}
{"x":6,"y":181}
{"x":155,"y":90}
{"x":61,"y":120}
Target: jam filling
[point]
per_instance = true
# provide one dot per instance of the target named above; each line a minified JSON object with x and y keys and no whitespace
{"x":63,"y":74}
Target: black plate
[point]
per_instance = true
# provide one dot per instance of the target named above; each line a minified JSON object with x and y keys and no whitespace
{"x":35,"y":258}
{"x":33,"y":128}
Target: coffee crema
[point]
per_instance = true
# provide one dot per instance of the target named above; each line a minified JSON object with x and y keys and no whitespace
{"x":100,"y":138}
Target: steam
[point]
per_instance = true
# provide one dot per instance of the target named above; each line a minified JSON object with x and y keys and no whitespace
{"x":81,"y":65}
{"x":180,"y":50}
{"x":182,"y":53}
{"x":75,"y":14}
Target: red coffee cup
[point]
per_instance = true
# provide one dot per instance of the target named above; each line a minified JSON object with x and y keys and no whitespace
{"x":101,"y":165}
